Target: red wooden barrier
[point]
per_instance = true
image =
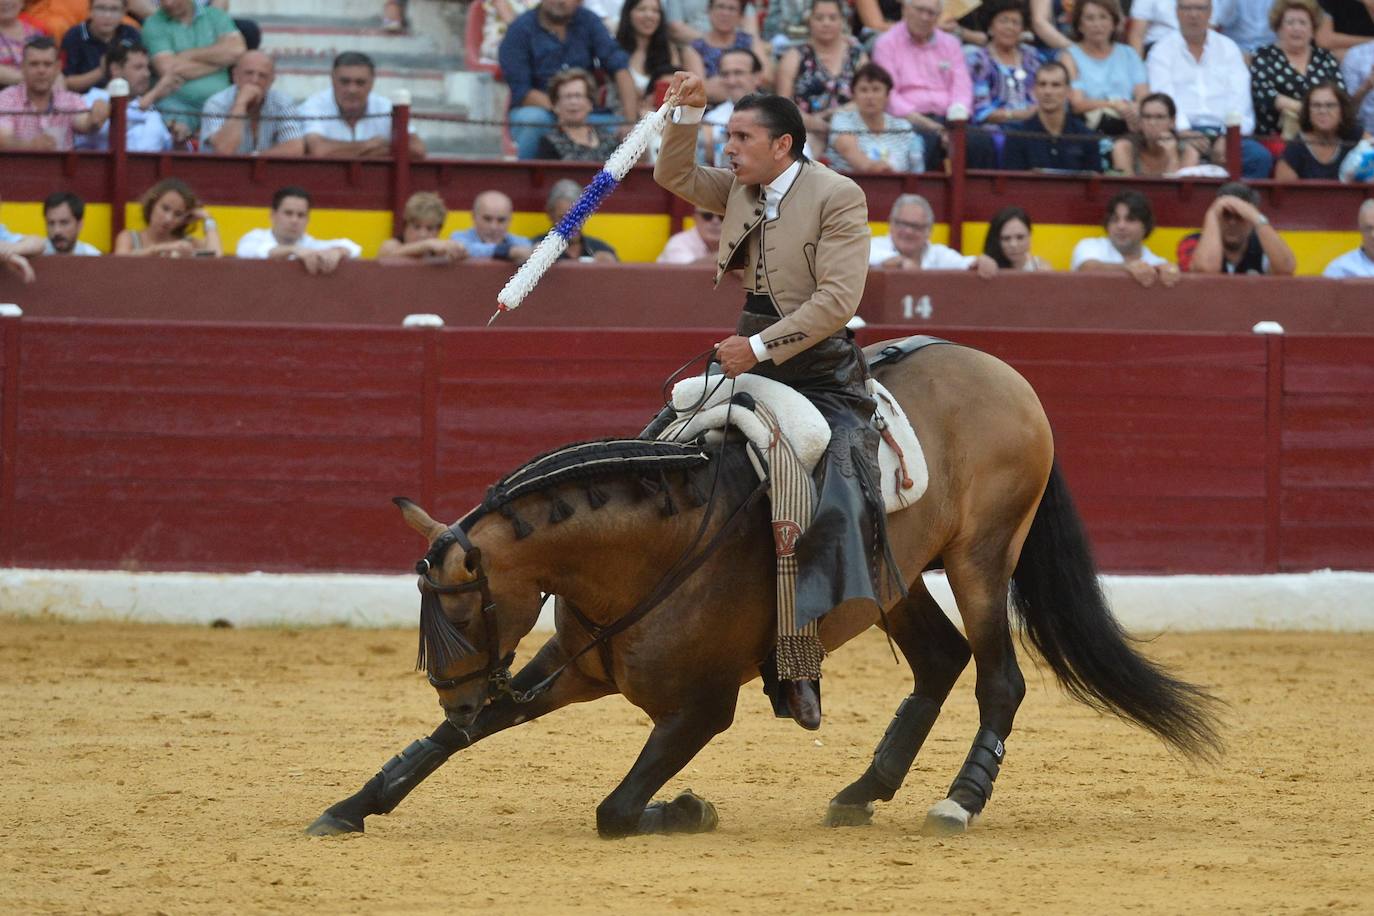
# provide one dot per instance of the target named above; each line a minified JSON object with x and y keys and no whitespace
{"x":659,"y":295}
{"x":234,"y":447}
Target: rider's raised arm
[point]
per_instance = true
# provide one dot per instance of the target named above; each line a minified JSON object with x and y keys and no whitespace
{"x":678,"y":171}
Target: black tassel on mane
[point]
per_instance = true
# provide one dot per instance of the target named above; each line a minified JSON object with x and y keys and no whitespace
{"x":441,"y":643}
{"x":561,"y":510}
{"x":522,"y":528}
{"x":596,"y":497}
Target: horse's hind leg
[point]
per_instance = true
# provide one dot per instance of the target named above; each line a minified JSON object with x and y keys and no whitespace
{"x":979,"y":581}
{"x":937,"y":653}
{"x":675,"y":740}
{"x":402,"y":773}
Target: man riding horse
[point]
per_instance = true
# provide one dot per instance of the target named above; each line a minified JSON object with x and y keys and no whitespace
{"x":800,"y":233}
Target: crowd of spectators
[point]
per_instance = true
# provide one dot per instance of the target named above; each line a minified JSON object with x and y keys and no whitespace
{"x":1207,"y":63}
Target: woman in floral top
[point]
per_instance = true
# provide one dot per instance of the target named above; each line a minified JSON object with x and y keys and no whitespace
{"x":1284,"y":72}
{"x":819,"y":75}
{"x":1004,"y":71}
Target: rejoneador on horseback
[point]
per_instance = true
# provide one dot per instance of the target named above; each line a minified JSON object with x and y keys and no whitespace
{"x":676,"y":583}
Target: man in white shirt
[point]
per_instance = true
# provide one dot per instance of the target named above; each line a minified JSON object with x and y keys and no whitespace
{"x":741,"y":71}
{"x":287,"y":239}
{"x":348,"y":119}
{"x":63,"y":212}
{"x":1122,"y":250}
{"x":1205,"y":74}
{"x":145,"y":131}
{"x":908,"y":246}
{"x":1360,"y":262}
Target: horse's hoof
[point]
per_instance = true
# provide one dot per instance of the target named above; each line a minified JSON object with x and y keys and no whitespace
{"x":842,"y":815}
{"x":329,"y":825}
{"x":945,"y":818}
{"x":689,"y":813}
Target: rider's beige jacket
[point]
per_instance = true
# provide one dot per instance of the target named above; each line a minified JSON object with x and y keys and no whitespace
{"x":812,"y":260}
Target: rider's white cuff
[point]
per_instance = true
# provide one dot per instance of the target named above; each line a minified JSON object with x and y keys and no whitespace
{"x":760,"y":351}
{"x":688,"y":114}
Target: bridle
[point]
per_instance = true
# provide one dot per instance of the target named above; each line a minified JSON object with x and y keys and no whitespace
{"x":497,"y":669}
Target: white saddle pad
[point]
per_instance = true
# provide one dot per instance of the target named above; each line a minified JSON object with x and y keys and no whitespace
{"x":803,"y":425}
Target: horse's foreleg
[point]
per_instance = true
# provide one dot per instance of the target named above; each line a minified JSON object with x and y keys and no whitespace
{"x":402,"y":773}
{"x":937,"y":653}
{"x":981,"y":593}
{"x":675,"y":740}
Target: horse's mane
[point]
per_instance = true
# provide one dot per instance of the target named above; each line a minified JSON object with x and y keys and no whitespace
{"x":587,"y":462}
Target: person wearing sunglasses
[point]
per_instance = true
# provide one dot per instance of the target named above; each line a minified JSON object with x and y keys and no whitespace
{"x":696,"y":244}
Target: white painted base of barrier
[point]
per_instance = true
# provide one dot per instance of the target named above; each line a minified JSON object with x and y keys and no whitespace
{"x":1327,"y":600}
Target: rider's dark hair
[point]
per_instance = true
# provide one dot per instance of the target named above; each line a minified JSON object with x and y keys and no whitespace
{"x":779,"y":116}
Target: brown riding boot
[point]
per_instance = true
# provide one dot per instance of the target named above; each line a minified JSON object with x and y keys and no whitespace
{"x":804,"y":702}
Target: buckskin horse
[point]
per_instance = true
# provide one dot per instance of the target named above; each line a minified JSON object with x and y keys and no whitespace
{"x":666,"y":596}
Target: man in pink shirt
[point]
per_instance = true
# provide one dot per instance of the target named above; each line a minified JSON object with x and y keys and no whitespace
{"x":694,"y":245}
{"x":34,"y":115}
{"x":928,"y":76}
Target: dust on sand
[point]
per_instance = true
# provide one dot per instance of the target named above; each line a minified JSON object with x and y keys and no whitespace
{"x":158,"y":768}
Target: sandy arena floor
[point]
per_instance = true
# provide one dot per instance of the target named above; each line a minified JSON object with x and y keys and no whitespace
{"x":167,"y":769}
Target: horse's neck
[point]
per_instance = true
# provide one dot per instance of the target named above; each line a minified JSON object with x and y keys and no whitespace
{"x":603,"y":560}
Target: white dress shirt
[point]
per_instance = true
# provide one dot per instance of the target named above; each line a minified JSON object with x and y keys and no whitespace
{"x":258,"y":244}
{"x":1206,"y":91}
{"x":935,"y":257}
{"x":1102,"y":250}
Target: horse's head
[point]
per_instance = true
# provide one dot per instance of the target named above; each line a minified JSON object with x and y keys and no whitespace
{"x":460,"y":636}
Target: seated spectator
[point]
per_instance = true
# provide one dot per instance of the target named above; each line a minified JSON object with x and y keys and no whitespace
{"x":1328,"y":131}
{"x":1348,"y":23}
{"x":908,"y":245}
{"x":1357,"y":70}
{"x":1246,"y":22}
{"x":14,"y":34}
{"x":250,"y":117}
{"x":496,"y":16}
{"x":1236,"y":238}
{"x":85,"y":44}
{"x":15,"y":251}
{"x":1107,"y":78}
{"x":573,"y":138}
{"x":1360,"y":262}
{"x":1050,"y":26}
{"x":170,"y":211}
{"x":819,"y":74}
{"x":928,"y":76}
{"x":1048,"y":139}
{"x":198,"y":45}
{"x":64,"y":212}
{"x":252,"y":34}
{"x":689,"y":20}
{"x":1008,"y":242}
{"x":288,"y":240}
{"x":558,"y":35}
{"x":1129,"y":222}
{"x":1206,"y":76}
{"x":1003,"y":72}
{"x":348,"y":119}
{"x":742,"y":73}
{"x":490,"y":235}
{"x":1156,"y":149}
{"x":697,"y":245}
{"x":726,"y":34}
{"x":581,"y":247}
{"x":34,"y":115}
{"x":424,"y":220}
{"x":393,"y":16}
{"x":643,"y":33}
{"x":865,"y":138}
{"x":1283,"y":72}
{"x":145,"y":131}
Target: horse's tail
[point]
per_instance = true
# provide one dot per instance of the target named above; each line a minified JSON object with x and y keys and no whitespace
{"x":1056,"y":594}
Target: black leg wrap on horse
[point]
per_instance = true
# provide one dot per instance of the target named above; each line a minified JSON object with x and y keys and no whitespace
{"x":973,"y":786}
{"x":408,"y":769}
{"x":896,"y":751}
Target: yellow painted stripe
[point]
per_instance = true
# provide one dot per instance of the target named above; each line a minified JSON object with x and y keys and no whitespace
{"x":639,"y":237}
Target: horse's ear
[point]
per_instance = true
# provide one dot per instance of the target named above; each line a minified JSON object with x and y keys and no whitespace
{"x":418,"y":518}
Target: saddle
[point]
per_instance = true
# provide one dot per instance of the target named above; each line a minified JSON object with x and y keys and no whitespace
{"x":703,"y":406}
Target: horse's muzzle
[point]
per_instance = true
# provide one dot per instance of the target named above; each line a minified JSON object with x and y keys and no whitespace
{"x":462,"y":715}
